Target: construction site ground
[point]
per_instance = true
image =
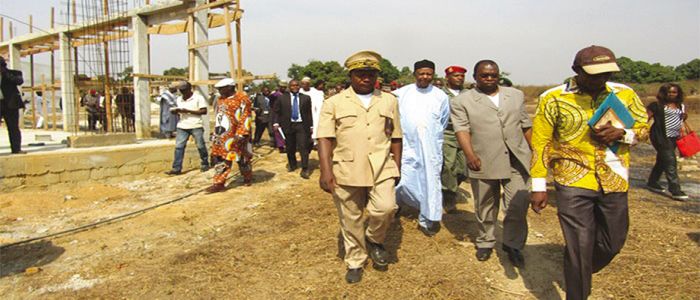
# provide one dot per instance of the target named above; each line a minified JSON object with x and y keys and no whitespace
{"x":278,"y":239}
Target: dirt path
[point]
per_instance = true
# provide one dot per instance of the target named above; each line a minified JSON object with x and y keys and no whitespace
{"x":278,"y":239}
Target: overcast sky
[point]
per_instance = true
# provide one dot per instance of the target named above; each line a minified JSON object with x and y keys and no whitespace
{"x":533,"y":40}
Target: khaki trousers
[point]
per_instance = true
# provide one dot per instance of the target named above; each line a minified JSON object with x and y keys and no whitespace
{"x":515,"y":202}
{"x":351,"y":201}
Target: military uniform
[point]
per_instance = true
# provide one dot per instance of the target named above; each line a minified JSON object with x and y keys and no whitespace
{"x":454,"y":165}
{"x":363,"y":167}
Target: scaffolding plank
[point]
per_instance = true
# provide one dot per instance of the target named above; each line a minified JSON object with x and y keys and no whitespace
{"x":218,"y":20}
{"x":156,"y":76}
{"x":216,"y":4}
{"x":208,"y":43}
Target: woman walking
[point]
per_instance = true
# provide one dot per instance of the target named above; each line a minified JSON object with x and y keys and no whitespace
{"x":668,"y":114}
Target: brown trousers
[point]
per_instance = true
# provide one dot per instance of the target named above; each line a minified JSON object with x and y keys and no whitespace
{"x":595,"y":229}
{"x":351,"y":201}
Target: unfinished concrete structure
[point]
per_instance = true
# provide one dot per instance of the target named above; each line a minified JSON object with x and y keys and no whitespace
{"x":193,"y":17}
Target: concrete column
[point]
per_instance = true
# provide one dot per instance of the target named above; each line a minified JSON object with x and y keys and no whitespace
{"x":201,"y":57}
{"x":68,"y":97}
{"x":141,"y":85}
{"x":15,"y":59}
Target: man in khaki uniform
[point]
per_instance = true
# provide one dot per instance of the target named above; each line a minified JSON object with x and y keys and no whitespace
{"x":359,"y":138}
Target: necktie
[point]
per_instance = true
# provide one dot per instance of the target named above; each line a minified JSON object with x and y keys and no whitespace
{"x":295,"y":108}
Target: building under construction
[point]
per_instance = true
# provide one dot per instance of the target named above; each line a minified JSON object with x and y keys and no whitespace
{"x":103,"y":47}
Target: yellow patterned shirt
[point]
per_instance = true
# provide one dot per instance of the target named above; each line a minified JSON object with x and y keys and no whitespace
{"x":561,"y":140}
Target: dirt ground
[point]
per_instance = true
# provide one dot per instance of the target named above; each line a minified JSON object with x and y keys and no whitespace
{"x":279,"y":239}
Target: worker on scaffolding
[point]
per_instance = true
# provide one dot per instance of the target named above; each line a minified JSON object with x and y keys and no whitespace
{"x":231,"y":136}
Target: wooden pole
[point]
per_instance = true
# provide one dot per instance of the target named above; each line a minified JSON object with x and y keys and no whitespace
{"x":238,"y":46}
{"x":31,"y":80}
{"x":108,"y":86}
{"x":229,"y":44}
{"x":2,"y":30}
{"x":44,"y":107}
{"x":73,"y":12}
{"x":12,"y":35}
{"x":54,"y":124}
{"x":190,"y":41}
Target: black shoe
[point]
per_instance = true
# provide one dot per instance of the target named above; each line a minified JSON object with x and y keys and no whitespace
{"x":353,"y":275}
{"x":173,"y":172}
{"x":204,"y":168}
{"x":483,"y":254}
{"x":305,"y":173}
{"x":19,"y":152}
{"x":290,"y":168}
{"x":378,"y":254}
{"x":655,"y":187}
{"x":515,"y":256}
{"x":429,"y":232}
{"x":680,"y":196}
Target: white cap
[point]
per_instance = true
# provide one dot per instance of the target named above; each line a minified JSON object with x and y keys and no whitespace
{"x":225,"y":82}
{"x":306,"y":79}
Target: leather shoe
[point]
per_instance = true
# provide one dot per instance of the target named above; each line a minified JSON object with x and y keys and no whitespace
{"x":515,"y":256}
{"x":429,"y":232}
{"x":305,"y":174}
{"x":172,"y":173}
{"x":290,"y":168}
{"x":483,"y":254}
{"x":378,"y":254}
{"x":19,"y":152}
{"x":353,"y":275}
{"x":215,"y":188}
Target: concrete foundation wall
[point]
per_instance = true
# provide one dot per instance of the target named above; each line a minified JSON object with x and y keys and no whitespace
{"x":99,"y":163}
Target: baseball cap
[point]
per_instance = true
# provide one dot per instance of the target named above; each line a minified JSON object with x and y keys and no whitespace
{"x":596,"y":60}
{"x":225,"y":82}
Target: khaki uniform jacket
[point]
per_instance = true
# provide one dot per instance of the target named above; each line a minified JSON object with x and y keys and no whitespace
{"x":496,"y":132}
{"x":361,"y":156}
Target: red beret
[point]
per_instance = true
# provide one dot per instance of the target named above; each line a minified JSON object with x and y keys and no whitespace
{"x":455,"y":69}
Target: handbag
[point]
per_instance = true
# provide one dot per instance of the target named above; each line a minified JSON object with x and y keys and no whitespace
{"x":688,"y":144}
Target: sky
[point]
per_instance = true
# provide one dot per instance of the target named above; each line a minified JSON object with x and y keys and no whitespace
{"x":534,"y":41}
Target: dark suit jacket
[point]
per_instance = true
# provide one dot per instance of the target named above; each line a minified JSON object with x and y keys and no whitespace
{"x":283,"y":111}
{"x":260,"y":106}
{"x":11,"y":96}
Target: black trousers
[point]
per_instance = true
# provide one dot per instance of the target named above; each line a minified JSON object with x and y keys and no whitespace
{"x":11,"y":118}
{"x":595,"y":228}
{"x":298,"y":138}
{"x":93,"y":117}
{"x":666,"y":163}
{"x":260,"y":127}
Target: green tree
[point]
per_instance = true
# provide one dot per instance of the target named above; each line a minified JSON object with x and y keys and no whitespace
{"x":689,"y":70}
{"x":126,"y":74}
{"x":644,"y":72}
{"x":331,"y":72}
{"x":389,"y":71}
{"x":406,"y":76}
{"x":176,"y":71}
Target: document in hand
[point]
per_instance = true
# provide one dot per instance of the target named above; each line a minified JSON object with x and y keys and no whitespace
{"x":614,"y":111}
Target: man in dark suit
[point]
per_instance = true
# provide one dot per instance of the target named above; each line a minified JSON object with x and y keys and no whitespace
{"x":262,"y":107}
{"x":292,"y":113}
{"x":11,"y":103}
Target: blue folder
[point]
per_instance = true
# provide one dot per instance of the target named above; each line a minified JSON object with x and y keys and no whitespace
{"x":614,"y":111}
